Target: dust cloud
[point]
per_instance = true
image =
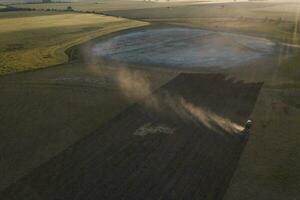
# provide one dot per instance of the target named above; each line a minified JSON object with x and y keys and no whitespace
{"x":136,"y":86}
{"x":210,"y":119}
{"x":133,"y":84}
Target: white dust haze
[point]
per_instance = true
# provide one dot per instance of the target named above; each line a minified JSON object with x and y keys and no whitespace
{"x":136,"y":86}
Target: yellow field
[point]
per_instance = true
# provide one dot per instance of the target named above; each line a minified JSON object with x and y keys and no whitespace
{"x":40,"y":40}
{"x":102,"y":6}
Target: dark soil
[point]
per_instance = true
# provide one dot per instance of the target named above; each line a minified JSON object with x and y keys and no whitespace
{"x":194,"y":162}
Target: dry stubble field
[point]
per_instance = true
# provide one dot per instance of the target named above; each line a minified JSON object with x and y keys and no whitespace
{"x":31,"y":40}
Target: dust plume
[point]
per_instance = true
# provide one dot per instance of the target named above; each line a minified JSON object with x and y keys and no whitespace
{"x":190,"y":112}
{"x":210,"y":119}
{"x":135,"y":85}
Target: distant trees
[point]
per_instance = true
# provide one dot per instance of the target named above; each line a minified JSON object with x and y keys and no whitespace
{"x":11,"y":8}
{"x":69,"y":8}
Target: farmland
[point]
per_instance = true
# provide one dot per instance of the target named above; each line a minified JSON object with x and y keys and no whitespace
{"x":39,"y":39}
{"x":91,"y":128}
{"x":182,"y":163}
{"x":65,"y":104}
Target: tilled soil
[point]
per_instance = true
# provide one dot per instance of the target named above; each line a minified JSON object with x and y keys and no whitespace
{"x":181,"y":157}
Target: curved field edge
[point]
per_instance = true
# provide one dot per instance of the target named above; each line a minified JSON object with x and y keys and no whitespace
{"x":43,"y":40}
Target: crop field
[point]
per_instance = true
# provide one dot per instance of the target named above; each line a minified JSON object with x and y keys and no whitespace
{"x":262,"y":19}
{"x":270,"y":163}
{"x":160,"y":144}
{"x":221,"y":10}
{"x":65,"y":104}
{"x":269,"y":166}
{"x":111,"y":126}
{"x":274,"y":20}
{"x":104,"y":5}
{"x":40,"y":39}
